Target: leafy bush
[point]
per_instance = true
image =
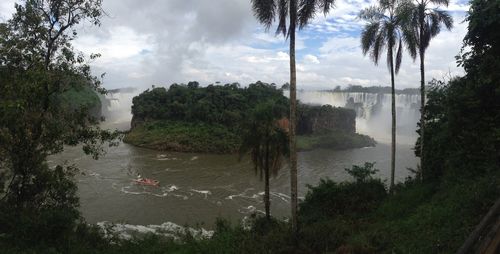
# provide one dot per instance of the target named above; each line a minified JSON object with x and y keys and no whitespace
{"x":362,"y":173}
{"x":330,"y":199}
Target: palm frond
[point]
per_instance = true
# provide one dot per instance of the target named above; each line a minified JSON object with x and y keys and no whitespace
{"x":327,"y":5}
{"x":440,"y":2}
{"x":307,"y":10}
{"x":372,"y":14}
{"x":368,"y":36}
{"x":404,"y":11}
{"x":283,"y":14}
{"x":399,"y":55}
{"x":264,"y":11}
{"x":444,"y":18}
{"x":410,"y":36}
{"x":425,"y":37}
{"x":378,"y":46}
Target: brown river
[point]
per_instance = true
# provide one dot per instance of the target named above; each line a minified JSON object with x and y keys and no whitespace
{"x":195,"y":189}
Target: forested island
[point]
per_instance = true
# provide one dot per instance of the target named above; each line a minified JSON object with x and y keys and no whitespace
{"x":191,"y":118}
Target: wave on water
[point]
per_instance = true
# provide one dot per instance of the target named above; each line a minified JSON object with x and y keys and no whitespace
{"x":167,"y":229}
{"x":97,"y":175}
{"x":281,"y":196}
{"x":160,"y":192}
{"x":203,"y":192}
{"x":250,"y":210}
{"x":165,"y":157}
{"x":244,"y":195}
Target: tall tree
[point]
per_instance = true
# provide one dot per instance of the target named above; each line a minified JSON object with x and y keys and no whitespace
{"x":37,"y":65}
{"x":290,"y":14}
{"x":424,"y":23}
{"x":267,"y":143}
{"x":385,"y":31}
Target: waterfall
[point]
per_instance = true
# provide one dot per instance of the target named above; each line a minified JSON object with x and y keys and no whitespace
{"x":116,"y":108}
{"x":373,"y":111}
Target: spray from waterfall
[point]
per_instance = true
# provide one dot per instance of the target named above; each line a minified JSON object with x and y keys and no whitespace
{"x":117,"y":108}
{"x":373,"y":112}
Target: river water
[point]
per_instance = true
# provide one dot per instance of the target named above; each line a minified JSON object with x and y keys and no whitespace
{"x":198,"y":188}
{"x":195,"y":189}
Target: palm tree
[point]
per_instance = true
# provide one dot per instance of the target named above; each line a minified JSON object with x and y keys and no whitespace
{"x":385,"y":31}
{"x":267,"y":144}
{"x":424,"y":23}
{"x":289,"y":14}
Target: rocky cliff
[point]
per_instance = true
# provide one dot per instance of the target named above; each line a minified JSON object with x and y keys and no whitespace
{"x":324,"y":119}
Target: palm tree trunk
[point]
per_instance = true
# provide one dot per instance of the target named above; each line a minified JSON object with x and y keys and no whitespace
{"x":422,"y":102}
{"x":267,"y":201}
{"x":293,"y":114}
{"x":393,"y":111}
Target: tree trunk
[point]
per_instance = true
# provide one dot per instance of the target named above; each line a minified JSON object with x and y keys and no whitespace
{"x":422,"y":101}
{"x":393,"y":111}
{"x":267,"y":201}
{"x":293,"y":114}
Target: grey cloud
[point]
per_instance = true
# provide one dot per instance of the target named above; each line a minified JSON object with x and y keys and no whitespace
{"x":180,"y":30}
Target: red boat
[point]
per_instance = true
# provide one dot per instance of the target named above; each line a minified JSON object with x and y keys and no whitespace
{"x":147,"y":181}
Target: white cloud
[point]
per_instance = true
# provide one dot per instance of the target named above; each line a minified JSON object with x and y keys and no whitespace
{"x":6,"y":9}
{"x":122,"y":44}
{"x":312,"y":59}
{"x":161,"y":42}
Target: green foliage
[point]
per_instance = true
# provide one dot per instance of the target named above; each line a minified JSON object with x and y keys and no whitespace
{"x":463,"y":115}
{"x":82,"y":97}
{"x":226,"y":105}
{"x":384,"y":31}
{"x":425,"y":219}
{"x":230,"y":108}
{"x":39,"y":205}
{"x":362,"y":173}
{"x":267,"y":143}
{"x":264,"y":139}
{"x":330,"y":199}
{"x":184,"y":137}
{"x":202,"y":119}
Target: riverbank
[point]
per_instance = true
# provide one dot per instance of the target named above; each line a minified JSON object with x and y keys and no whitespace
{"x":334,"y":141}
{"x":177,"y":136}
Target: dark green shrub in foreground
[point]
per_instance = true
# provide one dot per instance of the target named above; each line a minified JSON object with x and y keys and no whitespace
{"x":330,"y":199}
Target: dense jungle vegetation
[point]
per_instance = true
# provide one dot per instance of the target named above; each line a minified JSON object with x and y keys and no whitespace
{"x":191,"y":118}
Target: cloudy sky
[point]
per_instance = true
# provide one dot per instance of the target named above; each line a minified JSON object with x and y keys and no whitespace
{"x":159,"y":42}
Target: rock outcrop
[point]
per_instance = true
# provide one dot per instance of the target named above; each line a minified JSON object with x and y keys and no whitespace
{"x":324,"y":119}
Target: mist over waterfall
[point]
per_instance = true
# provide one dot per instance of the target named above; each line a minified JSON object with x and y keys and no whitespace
{"x":117,"y":108}
{"x":373,"y":112}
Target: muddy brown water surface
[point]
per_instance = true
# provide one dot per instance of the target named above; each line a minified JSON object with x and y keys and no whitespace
{"x":195,"y":189}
